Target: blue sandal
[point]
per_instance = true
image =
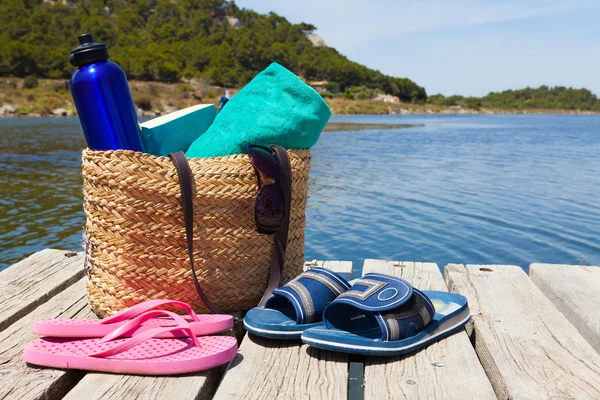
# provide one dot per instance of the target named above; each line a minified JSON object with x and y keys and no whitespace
{"x":296,"y":306}
{"x":385,"y":315}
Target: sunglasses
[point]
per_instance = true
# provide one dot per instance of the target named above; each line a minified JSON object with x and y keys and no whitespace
{"x":270,"y":205}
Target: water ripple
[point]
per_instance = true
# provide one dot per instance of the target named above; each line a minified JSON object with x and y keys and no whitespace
{"x":472,"y":189}
{"x":460,"y":189}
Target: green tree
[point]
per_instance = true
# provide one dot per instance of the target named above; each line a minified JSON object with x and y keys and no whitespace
{"x":169,"y":39}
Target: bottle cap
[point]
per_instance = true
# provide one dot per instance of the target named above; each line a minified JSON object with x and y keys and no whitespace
{"x":88,"y":51}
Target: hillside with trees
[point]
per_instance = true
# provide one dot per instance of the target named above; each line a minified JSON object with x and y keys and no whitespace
{"x":544,"y":97}
{"x":166,"y":40}
{"x":219,"y":44}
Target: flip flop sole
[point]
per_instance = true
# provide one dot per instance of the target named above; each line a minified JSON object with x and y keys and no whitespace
{"x":152,"y":357}
{"x":88,"y":328}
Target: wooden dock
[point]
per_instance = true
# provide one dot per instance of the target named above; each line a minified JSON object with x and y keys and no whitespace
{"x":535,"y":337}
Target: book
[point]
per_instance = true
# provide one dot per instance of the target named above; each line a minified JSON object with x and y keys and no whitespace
{"x":176,"y":131}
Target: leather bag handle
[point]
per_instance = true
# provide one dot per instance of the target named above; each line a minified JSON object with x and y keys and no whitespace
{"x":280,"y":238}
{"x":186,"y":186}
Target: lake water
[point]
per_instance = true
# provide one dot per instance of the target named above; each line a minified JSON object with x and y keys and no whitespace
{"x":451,"y":189}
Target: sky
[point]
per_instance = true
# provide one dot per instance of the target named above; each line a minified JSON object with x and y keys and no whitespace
{"x":467,"y":47}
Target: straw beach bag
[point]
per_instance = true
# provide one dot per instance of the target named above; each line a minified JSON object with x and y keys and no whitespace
{"x":135,"y":235}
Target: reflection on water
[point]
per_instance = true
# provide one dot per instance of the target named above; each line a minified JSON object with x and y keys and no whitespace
{"x":464,"y":189}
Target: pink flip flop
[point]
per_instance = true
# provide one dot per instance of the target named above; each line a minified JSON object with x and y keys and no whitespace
{"x":204,"y":324}
{"x":143,"y":354}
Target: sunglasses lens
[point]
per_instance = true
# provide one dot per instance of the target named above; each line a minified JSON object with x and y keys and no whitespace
{"x":269,"y":206}
{"x":264,"y":161}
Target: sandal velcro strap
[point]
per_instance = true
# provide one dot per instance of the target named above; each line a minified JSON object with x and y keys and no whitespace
{"x":309,"y":294}
{"x":398,"y":309}
{"x":377,"y":292}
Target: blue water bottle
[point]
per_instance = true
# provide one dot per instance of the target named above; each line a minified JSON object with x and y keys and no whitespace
{"x":102,"y":98}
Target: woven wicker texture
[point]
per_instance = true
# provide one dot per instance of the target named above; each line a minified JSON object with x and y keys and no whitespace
{"x":135,"y":235}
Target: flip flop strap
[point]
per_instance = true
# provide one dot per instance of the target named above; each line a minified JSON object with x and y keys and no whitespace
{"x":136,"y":322}
{"x":309,"y":293}
{"x":146,"y":335}
{"x":145,"y":306}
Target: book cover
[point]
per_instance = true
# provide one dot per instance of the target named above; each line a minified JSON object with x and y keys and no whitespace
{"x":176,"y":131}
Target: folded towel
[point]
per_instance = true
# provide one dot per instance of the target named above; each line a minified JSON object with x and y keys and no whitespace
{"x":276,"y":107}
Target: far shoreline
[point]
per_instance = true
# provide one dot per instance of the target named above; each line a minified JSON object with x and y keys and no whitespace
{"x":63,"y":113}
{"x":52,"y":98}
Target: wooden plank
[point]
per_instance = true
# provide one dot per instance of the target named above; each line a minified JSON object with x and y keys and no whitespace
{"x":200,"y":385}
{"x":286,"y":369}
{"x":19,"y":381}
{"x":413,"y":376}
{"x":575,"y":291}
{"x":343,"y":268}
{"x":31,"y":282}
{"x":110,"y":386}
{"x":528,"y":349}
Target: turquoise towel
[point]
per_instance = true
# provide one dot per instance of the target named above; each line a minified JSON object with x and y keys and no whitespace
{"x":276,"y":107}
